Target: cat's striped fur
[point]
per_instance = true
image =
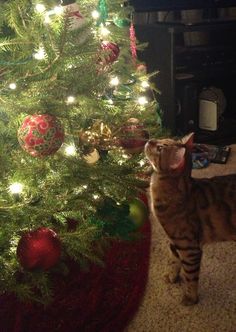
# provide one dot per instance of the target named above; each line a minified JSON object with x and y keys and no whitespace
{"x":191,"y":211}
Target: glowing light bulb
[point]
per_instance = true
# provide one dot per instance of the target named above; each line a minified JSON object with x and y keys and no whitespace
{"x":58,"y":10}
{"x":144,"y":84}
{"x":114,"y":81}
{"x":70,"y":100}
{"x":142,"y":101}
{"x":16,"y":188}
{"x":142,"y":163}
{"x":110,"y":101}
{"x":40,"y":8}
{"x":120,"y":162}
{"x":104,"y":31}
{"x":95,"y":14}
{"x":70,"y":150}
{"x":95,"y":196}
{"x":12,"y":86}
{"x":47,"y":19}
{"x":40,"y":54}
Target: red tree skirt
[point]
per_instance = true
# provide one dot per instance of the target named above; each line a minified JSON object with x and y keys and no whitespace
{"x":104,"y":299}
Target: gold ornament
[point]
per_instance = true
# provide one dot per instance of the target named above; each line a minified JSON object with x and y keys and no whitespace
{"x":101,"y":129}
{"x":99,"y":135}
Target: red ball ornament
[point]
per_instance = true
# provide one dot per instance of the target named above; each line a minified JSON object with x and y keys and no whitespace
{"x":41,"y":135}
{"x":111,"y":51}
{"x":133,"y":136}
{"x":40,"y":248}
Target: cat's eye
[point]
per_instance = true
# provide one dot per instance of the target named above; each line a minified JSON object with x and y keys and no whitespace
{"x":159,"y":147}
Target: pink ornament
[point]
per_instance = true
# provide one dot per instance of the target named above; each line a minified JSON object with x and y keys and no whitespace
{"x":111,"y":51}
{"x":133,"y":47}
{"x":41,"y":135}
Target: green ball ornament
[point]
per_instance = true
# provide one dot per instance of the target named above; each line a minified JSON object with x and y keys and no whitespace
{"x":121,"y":22}
{"x":138,"y":212}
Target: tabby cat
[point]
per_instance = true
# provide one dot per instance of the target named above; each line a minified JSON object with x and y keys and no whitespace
{"x":191,"y":211}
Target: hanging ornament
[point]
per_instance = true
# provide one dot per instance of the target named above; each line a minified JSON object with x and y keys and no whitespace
{"x":76,"y":19}
{"x":41,"y":135}
{"x":138,"y":212}
{"x":102,"y":9}
{"x":92,"y":157}
{"x":99,"y":135}
{"x":120,"y":22}
{"x":141,"y":68}
{"x":133,"y":47}
{"x":111,"y":52}
{"x":133,"y":136}
{"x":104,"y":134}
{"x":39,"y":249}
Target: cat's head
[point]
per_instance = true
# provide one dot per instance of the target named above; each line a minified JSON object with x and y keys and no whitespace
{"x":170,"y":156}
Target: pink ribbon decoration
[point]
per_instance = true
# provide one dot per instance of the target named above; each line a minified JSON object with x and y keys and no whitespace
{"x":133,"y":42}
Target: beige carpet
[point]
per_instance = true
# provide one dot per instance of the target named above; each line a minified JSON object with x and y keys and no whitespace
{"x":161,"y":310}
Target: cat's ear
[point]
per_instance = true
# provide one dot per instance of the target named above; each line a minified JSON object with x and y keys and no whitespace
{"x":177,"y":158}
{"x":188,"y":140}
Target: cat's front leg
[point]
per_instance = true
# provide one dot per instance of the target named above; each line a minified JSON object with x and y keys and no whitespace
{"x":190,"y":261}
{"x":174,"y":266}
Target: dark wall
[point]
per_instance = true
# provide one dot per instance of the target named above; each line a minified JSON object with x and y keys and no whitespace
{"x":155,"y":5}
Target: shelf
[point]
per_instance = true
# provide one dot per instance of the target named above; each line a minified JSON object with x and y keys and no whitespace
{"x":226,"y":133}
{"x":178,"y":26}
{"x":188,"y":62}
{"x":223,"y":48}
{"x":202,"y":62}
{"x":207,"y":73}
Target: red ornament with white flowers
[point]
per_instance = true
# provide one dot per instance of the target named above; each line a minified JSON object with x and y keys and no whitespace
{"x":41,"y":135}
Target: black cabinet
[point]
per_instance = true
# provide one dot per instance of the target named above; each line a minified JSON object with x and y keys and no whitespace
{"x":191,"y":56}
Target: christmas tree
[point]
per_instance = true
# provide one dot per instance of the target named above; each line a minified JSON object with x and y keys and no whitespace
{"x":76,"y":110}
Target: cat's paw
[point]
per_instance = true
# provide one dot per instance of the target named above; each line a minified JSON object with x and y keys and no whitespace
{"x":172,"y":278}
{"x":187,"y":300}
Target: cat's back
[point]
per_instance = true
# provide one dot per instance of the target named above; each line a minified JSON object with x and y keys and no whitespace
{"x":214,"y":201}
{"x":221,"y":184}
{"x":215,"y":195}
